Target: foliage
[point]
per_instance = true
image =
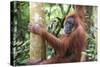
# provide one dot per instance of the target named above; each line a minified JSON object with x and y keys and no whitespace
{"x":54,"y":16}
{"x":92,"y":33}
{"x":20,"y":39}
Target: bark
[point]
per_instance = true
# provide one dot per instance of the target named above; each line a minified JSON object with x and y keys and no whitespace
{"x":37,"y":44}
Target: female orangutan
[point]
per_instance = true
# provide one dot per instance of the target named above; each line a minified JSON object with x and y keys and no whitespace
{"x":69,"y":46}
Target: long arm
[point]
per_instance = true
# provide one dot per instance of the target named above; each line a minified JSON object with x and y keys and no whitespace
{"x":40,"y":30}
{"x":53,"y":40}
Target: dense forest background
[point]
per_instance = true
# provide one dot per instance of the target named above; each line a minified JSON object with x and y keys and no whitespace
{"x":54,"y":14}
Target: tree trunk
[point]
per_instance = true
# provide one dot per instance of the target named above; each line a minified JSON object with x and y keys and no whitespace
{"x":37,"y":45}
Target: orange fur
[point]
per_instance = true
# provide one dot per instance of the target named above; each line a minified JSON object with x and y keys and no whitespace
{"x":68,"y":47}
